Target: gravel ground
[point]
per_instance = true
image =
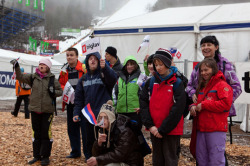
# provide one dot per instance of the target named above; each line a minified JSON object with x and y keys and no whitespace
{"x":16,"y":147}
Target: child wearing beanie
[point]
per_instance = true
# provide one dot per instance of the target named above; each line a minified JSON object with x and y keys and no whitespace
{"x":163,"y":113}
{"x":116,"y":143}
{"x":42,"y":107}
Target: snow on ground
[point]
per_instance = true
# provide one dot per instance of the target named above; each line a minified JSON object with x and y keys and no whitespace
{"x":64,"y":45}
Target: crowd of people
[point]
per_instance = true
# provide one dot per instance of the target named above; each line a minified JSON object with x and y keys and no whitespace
{"x":116,"y":98}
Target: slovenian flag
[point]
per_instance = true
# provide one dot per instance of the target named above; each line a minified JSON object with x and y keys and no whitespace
{"x":89,"y":115}
{"x":175,"y":52}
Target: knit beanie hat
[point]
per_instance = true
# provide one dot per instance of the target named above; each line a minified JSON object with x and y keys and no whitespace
{"x":109,"y":110}
{"x":165,"y":56}
{"x":112,"y":51}
{"x":150,"y":59}
{"x":45,"y":61}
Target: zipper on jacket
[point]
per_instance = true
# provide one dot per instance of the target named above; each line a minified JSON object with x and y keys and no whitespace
{"x":126,"y":98}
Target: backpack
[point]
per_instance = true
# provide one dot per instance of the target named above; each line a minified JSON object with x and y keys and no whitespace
{"x":184,"y":80}
{"x":51,"y":89}
{"x":144,"y":147}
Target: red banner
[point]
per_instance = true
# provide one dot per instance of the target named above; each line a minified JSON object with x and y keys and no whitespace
{"x":53,"y":44}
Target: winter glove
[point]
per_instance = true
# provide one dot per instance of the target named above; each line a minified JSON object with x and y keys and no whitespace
{"x":14,"y":62}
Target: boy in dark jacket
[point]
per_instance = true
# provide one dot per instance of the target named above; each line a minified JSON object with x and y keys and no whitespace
{"x":95,"y":87}
{"x":112,"y":59}
{"x":116,"y":143}
{"x":73,"y":73}
{"x":162,"y":114}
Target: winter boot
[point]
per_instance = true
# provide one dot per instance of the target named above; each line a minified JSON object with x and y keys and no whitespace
{"x":45,"y":161}
{"x":33,"y":161}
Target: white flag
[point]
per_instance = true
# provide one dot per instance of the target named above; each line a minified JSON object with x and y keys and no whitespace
{"x":145,"y":42}
{"x":68,"y":93}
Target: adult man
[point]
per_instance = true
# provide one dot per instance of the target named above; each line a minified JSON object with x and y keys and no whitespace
{"x":112,"y":59}
{"x":94,"y":88}
{"x":23,"y":92}
{"x":73,"y":72}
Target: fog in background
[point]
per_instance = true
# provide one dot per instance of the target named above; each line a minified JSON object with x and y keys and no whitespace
{"x":80,"y":13}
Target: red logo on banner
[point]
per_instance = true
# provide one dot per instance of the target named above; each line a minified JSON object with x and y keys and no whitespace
{"x":84,"y":49}
{"x":65,"y":98}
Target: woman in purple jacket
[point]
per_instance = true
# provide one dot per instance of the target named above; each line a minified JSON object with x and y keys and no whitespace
{"x":210,"y":49}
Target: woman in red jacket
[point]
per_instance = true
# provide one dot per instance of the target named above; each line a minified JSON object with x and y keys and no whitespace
{"x":210,"y":113}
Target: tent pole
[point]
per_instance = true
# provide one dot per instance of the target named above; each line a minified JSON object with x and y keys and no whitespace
{"x":247,"y":115}
{"x":196,"y":47}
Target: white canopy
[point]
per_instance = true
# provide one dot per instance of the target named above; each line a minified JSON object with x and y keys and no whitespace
{"x":183,"y":28}
{"x":7,"y":90}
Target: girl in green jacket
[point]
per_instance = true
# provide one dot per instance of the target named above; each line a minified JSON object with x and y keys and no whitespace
{"x":126,"y":91}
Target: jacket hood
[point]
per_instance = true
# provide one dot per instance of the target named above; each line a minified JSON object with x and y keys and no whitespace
{"x":219,"y":75}
{"x":97,"y":55}
{"x":127,"y":59}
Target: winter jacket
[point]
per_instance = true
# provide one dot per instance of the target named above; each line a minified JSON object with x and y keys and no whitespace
{"x":231,"y":78}
{"x":124,"y":146}
{"x":117,"y":66}
{"x":63,"y":78}
{"x":216,"y":100}
{"x":20,"y":91}
{"x":127,"y":90}
{"x":164,"y":107}
{"x":40,"y":100}
{"x":93,"y":88}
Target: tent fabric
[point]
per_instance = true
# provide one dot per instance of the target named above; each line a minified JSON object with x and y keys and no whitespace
{"x":182,"y":27}
{"x":7,"y":85}
{"x":170,"y":17}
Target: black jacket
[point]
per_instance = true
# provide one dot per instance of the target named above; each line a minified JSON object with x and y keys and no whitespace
{"x":124,"y":146}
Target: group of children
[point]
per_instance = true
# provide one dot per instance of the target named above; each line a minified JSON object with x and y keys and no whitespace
{"x":158,"y":103}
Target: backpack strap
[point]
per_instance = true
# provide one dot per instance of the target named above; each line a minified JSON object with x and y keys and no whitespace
{"x":197,"y":66}
{"x":151,"y":84}
{"x":176,"y":83}
{"x":224,"y":67}
{"x":51,"y":86}
{"x":31,"y":80}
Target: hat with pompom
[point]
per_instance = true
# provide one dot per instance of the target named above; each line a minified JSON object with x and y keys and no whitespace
{"x":165,"y":56}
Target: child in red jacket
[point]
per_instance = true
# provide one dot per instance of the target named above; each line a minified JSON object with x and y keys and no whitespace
{"x":162,"y":102}
{"x":210,"y":113}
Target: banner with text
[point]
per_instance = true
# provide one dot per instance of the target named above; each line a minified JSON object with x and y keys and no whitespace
{"x":6,"y":80}
{"x":90,"y":46}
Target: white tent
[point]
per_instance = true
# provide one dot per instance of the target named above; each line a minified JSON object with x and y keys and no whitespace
{"x":28,"y":62}
{"x":183,"y":28}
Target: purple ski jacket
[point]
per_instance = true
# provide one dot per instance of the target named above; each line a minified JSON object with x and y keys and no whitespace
{"x":230,"y":75}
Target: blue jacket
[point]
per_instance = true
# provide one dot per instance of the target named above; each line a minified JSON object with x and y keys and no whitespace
{"x":93,"y":88}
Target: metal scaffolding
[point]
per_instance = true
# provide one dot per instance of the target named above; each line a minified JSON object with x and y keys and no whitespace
{"x":14,"y":22}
